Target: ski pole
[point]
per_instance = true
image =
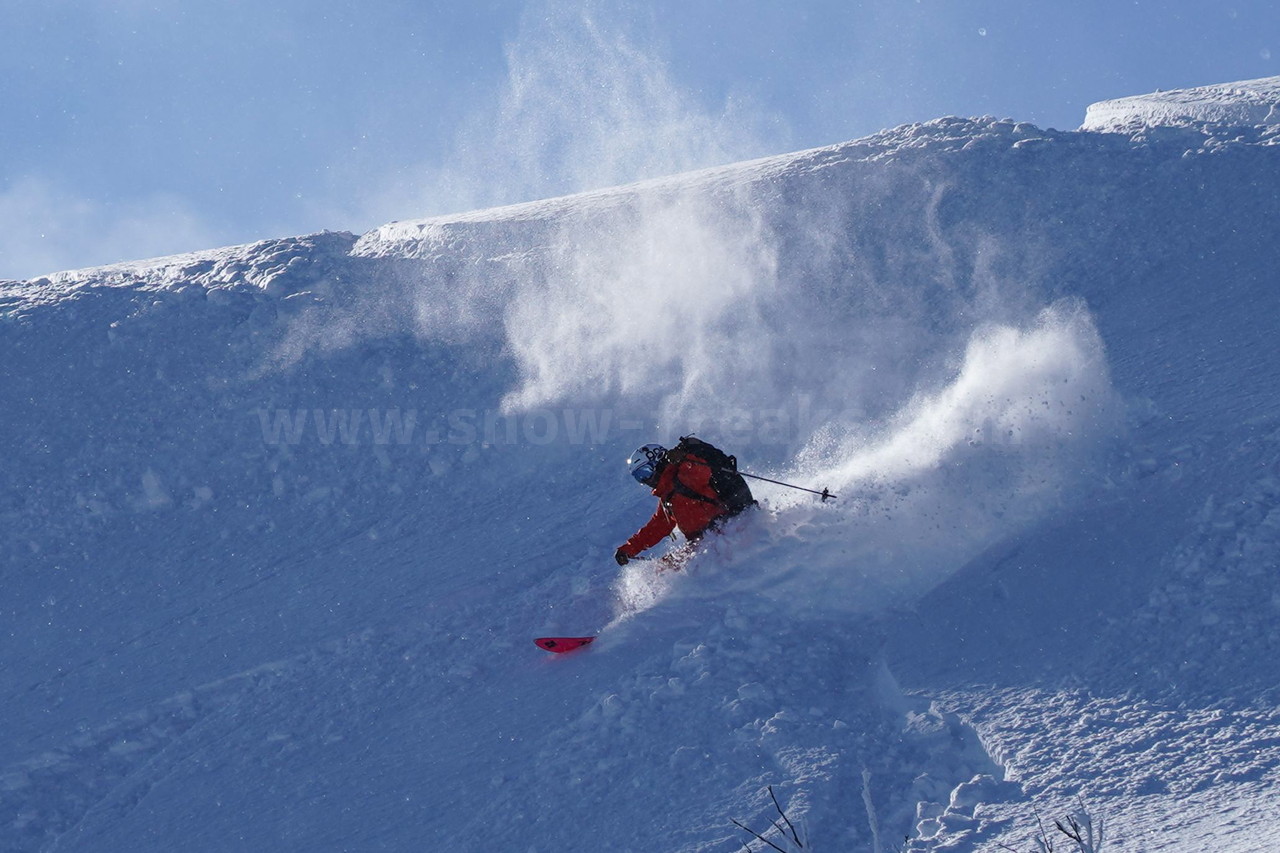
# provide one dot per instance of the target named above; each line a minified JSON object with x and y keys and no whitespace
{"x":824,"y":494}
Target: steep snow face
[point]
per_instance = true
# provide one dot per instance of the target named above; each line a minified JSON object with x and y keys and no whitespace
{"x":1249,"y":103}
{"x":762,"y":304}
{"x":282,"y":519}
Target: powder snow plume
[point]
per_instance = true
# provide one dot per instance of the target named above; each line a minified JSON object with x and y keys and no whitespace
{"x":947,"y":417}
{"x":589,"y":101}
{"x":660,"y":302}
{"x":1020,"y":429}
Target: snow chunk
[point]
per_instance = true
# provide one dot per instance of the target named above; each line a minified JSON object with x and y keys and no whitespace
{"x":1248,"y":103}
{"x":154,"y":494}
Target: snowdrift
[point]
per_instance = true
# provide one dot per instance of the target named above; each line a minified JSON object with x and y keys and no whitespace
{"x":281,"y":520}
{"x":1249,"y":103}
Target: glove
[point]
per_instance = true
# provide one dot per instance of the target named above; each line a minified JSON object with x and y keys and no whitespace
{"x":620,"y":557}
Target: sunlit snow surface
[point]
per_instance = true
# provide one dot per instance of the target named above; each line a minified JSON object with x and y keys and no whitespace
{"x":1247,"y":103}
{"x":281,"y":520}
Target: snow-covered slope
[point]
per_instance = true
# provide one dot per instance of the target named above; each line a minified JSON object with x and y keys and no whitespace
{"x":281,"y":520}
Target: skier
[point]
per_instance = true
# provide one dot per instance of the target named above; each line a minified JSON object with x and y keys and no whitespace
{"x":697,"y":487}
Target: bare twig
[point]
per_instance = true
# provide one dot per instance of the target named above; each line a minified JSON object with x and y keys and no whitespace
{"x":1080,"y":828}
{"x":758,"y":835}
{"x":1045,"y":842}
{"x":794,"y":835}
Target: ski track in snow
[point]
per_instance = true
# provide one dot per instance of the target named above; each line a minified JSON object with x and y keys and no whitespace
{"x":287,"y":515}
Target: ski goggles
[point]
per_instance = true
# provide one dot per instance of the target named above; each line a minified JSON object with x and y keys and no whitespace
{"x":644,"y":472}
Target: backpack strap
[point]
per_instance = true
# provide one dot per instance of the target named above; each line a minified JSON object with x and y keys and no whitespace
{"x":685,"y":491}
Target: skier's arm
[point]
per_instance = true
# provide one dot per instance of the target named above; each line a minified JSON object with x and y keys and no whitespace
{"x":651,"y":534}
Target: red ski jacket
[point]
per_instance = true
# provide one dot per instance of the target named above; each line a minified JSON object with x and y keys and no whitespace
{"x":685,"y":500}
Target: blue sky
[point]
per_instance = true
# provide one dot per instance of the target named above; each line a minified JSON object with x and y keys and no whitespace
{"x":143,"y":127}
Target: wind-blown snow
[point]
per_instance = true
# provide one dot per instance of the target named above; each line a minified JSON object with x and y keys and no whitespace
{"x":282,"y":519}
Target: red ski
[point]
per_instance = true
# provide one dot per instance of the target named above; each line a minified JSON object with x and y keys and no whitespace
{"x":560,"y":645}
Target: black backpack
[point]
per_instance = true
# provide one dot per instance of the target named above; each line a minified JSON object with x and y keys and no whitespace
{"x":728,"y":484}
